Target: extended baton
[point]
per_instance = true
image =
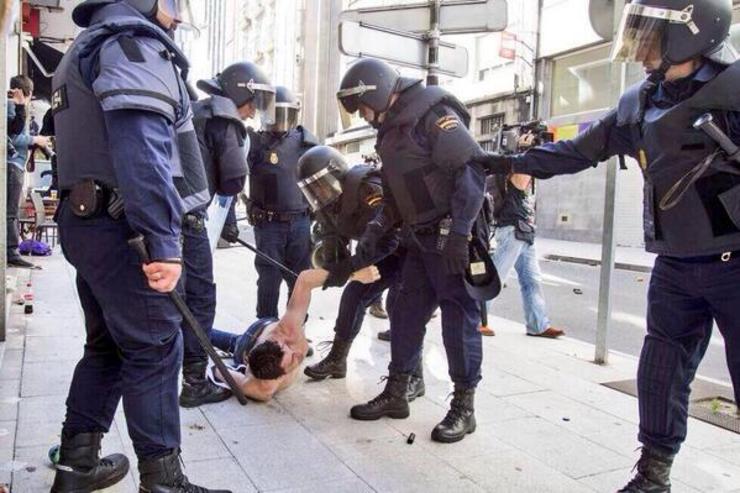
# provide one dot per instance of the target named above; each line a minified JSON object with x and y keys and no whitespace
{"x":271,"y":260}
{"x":139,"y":245}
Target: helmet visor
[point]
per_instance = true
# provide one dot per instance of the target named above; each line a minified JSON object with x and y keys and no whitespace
{"x":642,"y":29}
{"x":286,"y":117}
{"x":181,"y":11}
{"x":321,"y":189}
{"x":263,"y":101}
{"x":349,"y":103}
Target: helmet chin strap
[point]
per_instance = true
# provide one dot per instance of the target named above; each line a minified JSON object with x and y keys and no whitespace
{"x":657,"y":76}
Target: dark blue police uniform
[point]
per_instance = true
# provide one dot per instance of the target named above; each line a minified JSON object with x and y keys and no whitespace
{"x":132,"y":142}
{"x":428,"y":178}
{"x":278,"y":211}
{"x":696,"y":277}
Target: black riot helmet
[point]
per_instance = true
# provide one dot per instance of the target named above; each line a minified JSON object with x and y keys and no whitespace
{"x":287,"y":110}
{"x":321,"y":171}
{"x":677,"y":29}
{"x":179,"y":10}
{"x":243,"y":83}
{"x":368,"y":81}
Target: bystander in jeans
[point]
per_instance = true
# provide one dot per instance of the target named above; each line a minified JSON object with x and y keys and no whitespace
{"x":514,"y":248}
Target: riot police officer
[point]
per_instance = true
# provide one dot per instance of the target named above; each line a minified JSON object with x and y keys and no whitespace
{"x":223,"y":145}
{"x":125,"y":142}
{"x":433,"y":189}
{"x":691,"y":207}
{"x":276,"y":207}
{"x":344,"y":201}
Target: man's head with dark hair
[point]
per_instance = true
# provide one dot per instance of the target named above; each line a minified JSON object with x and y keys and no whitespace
{"x":23,"y":83}
{"x":265,"y":360}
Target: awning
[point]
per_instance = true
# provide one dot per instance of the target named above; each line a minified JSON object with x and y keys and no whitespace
{"x":42,"y":61}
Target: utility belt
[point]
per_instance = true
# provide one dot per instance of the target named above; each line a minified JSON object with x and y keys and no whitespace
{"x":705,"y":259}
{"x":194,"y":222}
{"x":257,"y":215}
{"x":432,"y":236}
{"x":523,"y":230}
{"x":89,"y":198}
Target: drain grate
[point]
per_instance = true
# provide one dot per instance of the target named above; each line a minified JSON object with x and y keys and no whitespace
{"x":710,"y":402}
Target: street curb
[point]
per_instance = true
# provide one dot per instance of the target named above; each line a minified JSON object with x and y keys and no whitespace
{"x":597,"y":263}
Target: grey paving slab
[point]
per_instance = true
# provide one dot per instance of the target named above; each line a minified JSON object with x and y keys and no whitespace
{"x":219,"y":473}
{"x":40,"y":378}
{"x":42,"y":408}
{"x":12,"y":364}
{"x":53,"y":348}
{"x":283,"y":456}
{"x":609,"y":482}
{"x":704,"y":472}
{"x":343,"y":486}
{"x":55,"y":326}
{"x":199,"y":439}
{"x":515,"y":471}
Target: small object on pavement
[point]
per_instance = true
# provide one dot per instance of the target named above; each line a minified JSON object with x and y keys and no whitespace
{"x":411,"y":438}
{"x":577,"y":291}
{"x":566,"y":419}
{"x":486,"y":331}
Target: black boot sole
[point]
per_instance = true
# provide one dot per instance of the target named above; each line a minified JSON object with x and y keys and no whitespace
{"x":322,"y":376}
{"x":413,"y":396}
{"x":100,"y":485}
{"x":452,"y":439}
{"x":189,"y":403}
{"x":396,"y":414}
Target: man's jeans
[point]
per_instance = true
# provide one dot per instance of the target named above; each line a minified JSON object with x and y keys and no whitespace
{"x":14,"y":188}
{"x":511,"y":252}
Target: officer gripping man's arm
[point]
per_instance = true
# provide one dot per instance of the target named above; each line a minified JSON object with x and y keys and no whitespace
{"x":691,"y":69}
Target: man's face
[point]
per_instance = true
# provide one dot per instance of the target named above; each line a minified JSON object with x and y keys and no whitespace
{"x":651,"y":54}
{"x":367,"y":113}
{"x":290,"y":359}
{"x":247,"y":110}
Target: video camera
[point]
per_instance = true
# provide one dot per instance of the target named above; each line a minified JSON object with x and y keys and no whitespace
{"x":508,"y":137}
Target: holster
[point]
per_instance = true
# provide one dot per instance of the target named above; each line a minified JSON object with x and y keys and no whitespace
{"x":88,"y":198}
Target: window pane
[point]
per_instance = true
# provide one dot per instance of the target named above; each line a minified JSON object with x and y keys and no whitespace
{"x":581,"y":82}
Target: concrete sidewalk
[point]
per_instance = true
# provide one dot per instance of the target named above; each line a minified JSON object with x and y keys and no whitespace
{"x":545,"y":424}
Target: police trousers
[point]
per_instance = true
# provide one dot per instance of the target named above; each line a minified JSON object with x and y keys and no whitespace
{"x":133,"y":347}
{"x":685,"y":297}
{"x":424,"y":286}
{"x":288,"y":242}
{"x":200,"y":290}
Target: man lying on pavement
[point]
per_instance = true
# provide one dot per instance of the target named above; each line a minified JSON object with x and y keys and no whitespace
{"x":270,"y":352}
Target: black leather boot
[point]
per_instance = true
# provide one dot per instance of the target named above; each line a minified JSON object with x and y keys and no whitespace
{"x":335,"y":363}
{"x":197,"y":389}
{"x":164,"y":475}
{"x":460,"y":419}
{"x":416,"y":387}
{"x":392,"y":402}
{"x":81,"y":470}
{"x":653,"y":473}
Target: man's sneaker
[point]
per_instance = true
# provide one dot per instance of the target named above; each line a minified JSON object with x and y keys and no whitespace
{"x":485,"y":330}
{"x":549,"y":333}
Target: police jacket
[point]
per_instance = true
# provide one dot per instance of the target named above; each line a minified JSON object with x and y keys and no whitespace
{"x":658,"y":132}
{"x":273,"y":169}
{"x":360,"y":202}
{"x":223,"y":144}
{"x":123,"y":118}
{"x":426,"y":148}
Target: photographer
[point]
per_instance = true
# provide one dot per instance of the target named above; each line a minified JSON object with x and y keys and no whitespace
{"x":514,"y":209}
{"x":19,"y":96}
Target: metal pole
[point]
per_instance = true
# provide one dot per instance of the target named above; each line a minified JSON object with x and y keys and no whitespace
{"x":3,"y":185}
{"x":433,"y":43}
{"x":608,"y":240}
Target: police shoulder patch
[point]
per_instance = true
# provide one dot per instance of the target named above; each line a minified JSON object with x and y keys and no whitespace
{"x":59,"y":100}
{"x":374,"y":200}
{"x":448,"y":123}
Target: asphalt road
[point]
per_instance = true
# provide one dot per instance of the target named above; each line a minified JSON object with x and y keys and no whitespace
{"x":576,"y":313}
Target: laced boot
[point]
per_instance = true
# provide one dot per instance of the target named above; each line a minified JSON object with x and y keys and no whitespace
{"x":392,"y":402}
{"x":416,"y":382}
{"x":653,"y":473}
{"x":80,"y":468}
{"x":164,"y":475}
{"x":197,"y":389}
{"x":460,"y":419}
{"x":335,"y":363}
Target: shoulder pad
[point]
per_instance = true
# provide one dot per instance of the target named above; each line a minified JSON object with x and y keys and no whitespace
{"x":309,"y":139}
{"x":629,"y":107}
{"x":135,"y":74}
{"x":222,"y":107}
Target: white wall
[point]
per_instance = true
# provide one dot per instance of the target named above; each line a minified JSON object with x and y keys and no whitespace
{"x":565,"y":26}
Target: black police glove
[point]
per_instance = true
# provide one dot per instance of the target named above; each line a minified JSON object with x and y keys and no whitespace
{"x":338,"y":274}
{"x":230,"y":233}
{"x":455,"y":254}
{"x":494,"y":163}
